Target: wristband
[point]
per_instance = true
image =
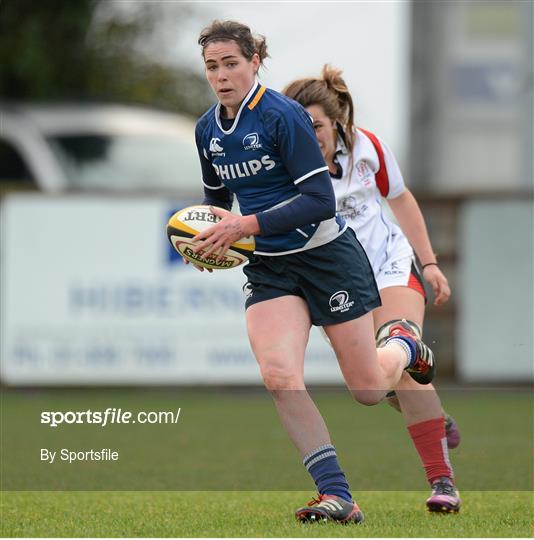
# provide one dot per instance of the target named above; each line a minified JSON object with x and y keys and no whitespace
{"x":430,"y":264}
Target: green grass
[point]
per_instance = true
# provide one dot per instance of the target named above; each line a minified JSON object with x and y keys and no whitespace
{"x":253,"y":514}
{"x":228,"y":469}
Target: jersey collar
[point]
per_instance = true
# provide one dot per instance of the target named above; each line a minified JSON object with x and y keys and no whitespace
{"x":253,"y":93}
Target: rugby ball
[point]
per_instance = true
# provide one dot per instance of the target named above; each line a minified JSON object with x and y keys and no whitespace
{"x":187,"y":223}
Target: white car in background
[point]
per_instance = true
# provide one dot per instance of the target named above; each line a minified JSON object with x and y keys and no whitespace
{"x":115,"y":148}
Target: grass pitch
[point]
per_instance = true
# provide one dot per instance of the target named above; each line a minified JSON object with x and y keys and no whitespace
{"x":254,"y":514}
{"x":228,"y":470}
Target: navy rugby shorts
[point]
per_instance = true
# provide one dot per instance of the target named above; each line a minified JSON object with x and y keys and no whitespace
{"x":336,"y":280}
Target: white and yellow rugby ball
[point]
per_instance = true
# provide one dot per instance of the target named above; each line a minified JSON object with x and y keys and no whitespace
{"x":186,"y":223}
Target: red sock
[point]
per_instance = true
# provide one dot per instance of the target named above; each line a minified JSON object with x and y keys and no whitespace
{"x":431,"y":444}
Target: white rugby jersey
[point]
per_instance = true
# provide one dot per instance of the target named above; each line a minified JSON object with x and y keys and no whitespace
{"x":375,"y":174}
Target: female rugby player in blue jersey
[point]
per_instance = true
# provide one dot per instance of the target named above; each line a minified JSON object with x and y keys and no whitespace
{"x":363,"y":172}
{"x":308,"y":268}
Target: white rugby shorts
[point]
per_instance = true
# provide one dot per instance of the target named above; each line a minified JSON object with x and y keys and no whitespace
{"x":400,"y":272}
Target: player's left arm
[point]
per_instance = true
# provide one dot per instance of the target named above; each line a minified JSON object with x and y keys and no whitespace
{"x":292,"y":129}
{"x":218,"y":238}
{"x":304,"y":162}
{"x":411,"y":221}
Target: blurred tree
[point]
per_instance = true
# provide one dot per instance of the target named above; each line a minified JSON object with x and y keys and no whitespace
{"x":42,"y":48}
{"x":85,"y":50}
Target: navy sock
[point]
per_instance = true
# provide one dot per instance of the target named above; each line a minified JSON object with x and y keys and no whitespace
{"x":408,"y":345}
{"x":326,"y":473}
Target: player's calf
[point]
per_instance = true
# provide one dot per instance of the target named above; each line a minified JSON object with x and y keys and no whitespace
{"x":452,"y":431}
{"x":422,"y":366}
{"x":383,"y":333}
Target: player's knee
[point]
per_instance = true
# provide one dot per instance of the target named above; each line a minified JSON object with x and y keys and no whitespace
{"x":276,"y":377}
{"x":383,"y":332}
{"x":367,"y":397}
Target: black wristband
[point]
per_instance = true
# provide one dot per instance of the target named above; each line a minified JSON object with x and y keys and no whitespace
{"x":430,"y":264}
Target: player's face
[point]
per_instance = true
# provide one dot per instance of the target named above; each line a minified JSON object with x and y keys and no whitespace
{"x":229,"y":73}
{"x":324,"y":130}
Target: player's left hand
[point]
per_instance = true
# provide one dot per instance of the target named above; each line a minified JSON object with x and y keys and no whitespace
{"x":440,"y":286}
{"x":218,"y":238}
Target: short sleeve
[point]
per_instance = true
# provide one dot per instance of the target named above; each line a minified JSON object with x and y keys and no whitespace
{"x":396,"y":181}
{"x":297,"y":143}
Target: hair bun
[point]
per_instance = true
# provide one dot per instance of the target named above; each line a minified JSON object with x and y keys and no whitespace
{"x":333,"y":79}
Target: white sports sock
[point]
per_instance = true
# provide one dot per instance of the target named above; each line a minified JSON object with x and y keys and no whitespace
{"x":404,"y":346}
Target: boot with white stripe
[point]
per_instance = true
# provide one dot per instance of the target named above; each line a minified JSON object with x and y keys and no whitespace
{"x":330,"y":508}
{"x":423,"y":368}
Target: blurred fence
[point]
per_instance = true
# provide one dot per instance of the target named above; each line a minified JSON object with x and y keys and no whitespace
{"x":485,"y":245}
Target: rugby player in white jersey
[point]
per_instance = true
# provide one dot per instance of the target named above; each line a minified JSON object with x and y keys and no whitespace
{"x":308,"y":268}
{"x":363,"y":172}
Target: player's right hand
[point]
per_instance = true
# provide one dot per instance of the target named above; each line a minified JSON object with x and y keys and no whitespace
{"x":200,"y":268}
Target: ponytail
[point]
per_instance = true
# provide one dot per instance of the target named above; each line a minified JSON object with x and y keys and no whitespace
{"x":336,"y":86}
{"x":332,"y":94}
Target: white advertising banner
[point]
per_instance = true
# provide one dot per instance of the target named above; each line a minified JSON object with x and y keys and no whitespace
{"x":92,"y":293}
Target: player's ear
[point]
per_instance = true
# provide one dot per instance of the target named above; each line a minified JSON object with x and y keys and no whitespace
{"x":255,"y":61}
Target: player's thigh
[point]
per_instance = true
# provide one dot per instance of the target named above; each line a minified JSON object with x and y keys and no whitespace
{"x":399,"y":302}
{"x":354,"y":345}
{"x":278,"y":331}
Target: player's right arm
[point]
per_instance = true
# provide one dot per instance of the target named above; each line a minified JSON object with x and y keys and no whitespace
{"x":215,"y":192}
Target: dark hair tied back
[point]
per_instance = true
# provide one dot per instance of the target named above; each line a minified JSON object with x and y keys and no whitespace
{"x":248,"y":44}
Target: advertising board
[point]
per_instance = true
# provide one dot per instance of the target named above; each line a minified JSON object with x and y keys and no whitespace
{"x":92,"y":293}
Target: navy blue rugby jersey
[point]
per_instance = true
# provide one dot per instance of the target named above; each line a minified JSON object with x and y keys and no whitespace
{"x":262,"y":157}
